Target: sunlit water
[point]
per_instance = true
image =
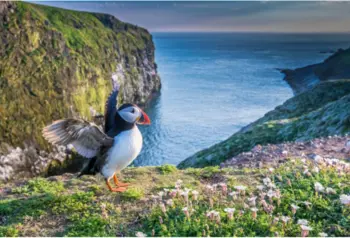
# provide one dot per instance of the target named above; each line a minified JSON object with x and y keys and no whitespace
{"x":214,"y":84}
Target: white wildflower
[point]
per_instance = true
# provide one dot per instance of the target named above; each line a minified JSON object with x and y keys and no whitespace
{"x":140,"y":234}
{"x":318,"y":187}
{"x":229,"y":212}
{"x":330,"y":190}
{"x":285,"y":219}
{"x":345,"y":199}
{"x":305,"y":230}
{"x":322,"y":234}
{"x":260,"y":187}
{"x":195,"y":194}
{"x":266,"y":181}
{"x":294,"y":208}
{"x":240,"y":188}
{"x":302,"y":222}
{"x":316,"y":170}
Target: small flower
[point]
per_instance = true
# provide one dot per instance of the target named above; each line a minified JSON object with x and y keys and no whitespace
{"x":275,"y":220}
{"x":271,"y":193}
{"x":254,"y":212}
{"x":266,"y":181}
{"x":223,"y":187}
{"x":285,"y":219}
{"x":305,"y":230}
{"x":195,"y":194}
{"x":307,"y":204}
{"x":322,"y":234}
{"x":302,"y":222}
{"x":140,"y":234}
{"x":213,"y":215}
{"x":252,"y":201}
{"x":260,"y":187}
{"x":229,"y":212}
{"x":178,"y":184}
{"x":185,"y":210}
{"x":170,"y":202}
{"x":173,"y":193}
{"x":271,"y":170}
{"x":233,"y":195}
{"x":316,"y":170}
{"x":162,"y":207}
{"x":185,"y":194}
{"x":345,"y":199}
{"x":318,"y":187}
{"x":161,"y":194}
{"x":294,"y":208}
{"x":240,"y":188}
{"x":209,"y":188}
{"x":330,"y":190}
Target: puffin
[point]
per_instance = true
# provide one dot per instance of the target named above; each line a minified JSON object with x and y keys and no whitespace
{"x":110,"y":149}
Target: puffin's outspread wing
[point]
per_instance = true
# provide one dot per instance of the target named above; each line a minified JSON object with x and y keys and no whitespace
{"x":86,"y":137}
{"x":111,"y":105}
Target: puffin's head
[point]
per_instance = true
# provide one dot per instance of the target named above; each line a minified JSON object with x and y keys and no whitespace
{"x":133,"y":114}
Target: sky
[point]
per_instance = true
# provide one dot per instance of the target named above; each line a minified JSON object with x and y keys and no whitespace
{"x":256,"y":16}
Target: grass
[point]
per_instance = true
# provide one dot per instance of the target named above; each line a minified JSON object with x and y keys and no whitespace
{"x":66,"y":206}
{"x":258,"y":212}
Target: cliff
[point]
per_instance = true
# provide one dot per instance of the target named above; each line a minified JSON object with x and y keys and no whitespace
{"x":322,"y":111}
{"x":58,"y":63}
{"x":335,"y":67}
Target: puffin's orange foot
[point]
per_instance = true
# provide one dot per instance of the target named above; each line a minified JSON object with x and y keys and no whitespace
{"x":122,"y":184}
{"x":120,"y":189}
{"x":119,"y":184}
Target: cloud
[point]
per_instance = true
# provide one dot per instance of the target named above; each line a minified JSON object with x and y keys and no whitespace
{"x":225,"y":16}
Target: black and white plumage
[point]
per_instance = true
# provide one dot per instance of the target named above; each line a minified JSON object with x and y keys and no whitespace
{"x":110,"y":150}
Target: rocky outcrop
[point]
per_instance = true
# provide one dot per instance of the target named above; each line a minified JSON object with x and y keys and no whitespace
{"x":319,"y":112}
{"x":57,"y":63}
{"x":335,"y":67}
{"x":271,"y":156}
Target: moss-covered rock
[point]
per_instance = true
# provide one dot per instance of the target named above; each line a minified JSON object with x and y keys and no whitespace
{"x":58,"y":63}
{"x":321,"y":111}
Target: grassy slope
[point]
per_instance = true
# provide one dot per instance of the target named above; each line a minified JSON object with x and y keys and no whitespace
{"x":63,"y":205}
{"x":322,"y":111}
{"x":55,"y":61}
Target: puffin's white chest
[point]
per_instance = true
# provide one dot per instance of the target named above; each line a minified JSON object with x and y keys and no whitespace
{"x":127,"y":146}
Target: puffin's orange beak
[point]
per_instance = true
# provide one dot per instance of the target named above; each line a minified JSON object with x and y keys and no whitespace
{"x":144,"y":119}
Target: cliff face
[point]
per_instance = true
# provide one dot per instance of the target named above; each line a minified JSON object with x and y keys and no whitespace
{"x":58,"y":63}
{"x":319,"y":112}
{"x":335,"y":67}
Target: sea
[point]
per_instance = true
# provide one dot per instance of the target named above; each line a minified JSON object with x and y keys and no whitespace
{"x":213,"y":84}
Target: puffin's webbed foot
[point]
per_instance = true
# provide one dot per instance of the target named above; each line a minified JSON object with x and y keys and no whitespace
{"x":120,"y":189}
{"x":119,"y":184}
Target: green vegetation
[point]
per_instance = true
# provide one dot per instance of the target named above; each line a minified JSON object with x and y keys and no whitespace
{"x":66,"y":206}
{"x":167,"y":168}
{"x":262,"y":210}
{"x":322,"y":111}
